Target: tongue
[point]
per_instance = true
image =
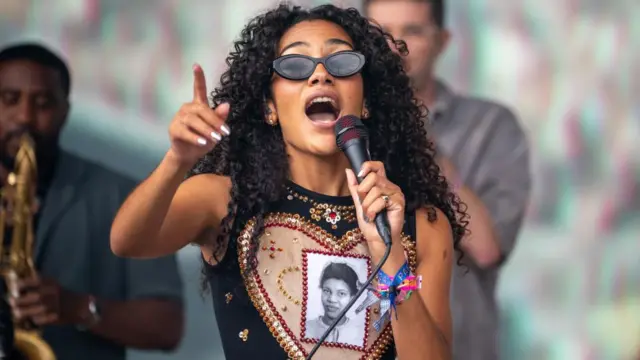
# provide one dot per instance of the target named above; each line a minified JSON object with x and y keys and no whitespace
{"x":322,"y":117}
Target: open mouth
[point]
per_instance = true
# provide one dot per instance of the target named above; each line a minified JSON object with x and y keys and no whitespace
{"x":322,"y":109}
{"x":332,"y":309}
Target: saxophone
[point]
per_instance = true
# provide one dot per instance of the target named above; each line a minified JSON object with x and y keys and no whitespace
{"x":17,"y":207}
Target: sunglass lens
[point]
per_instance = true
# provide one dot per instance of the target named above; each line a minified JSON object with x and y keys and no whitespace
{"x":295,"y":67}
{"x":344,"y":64}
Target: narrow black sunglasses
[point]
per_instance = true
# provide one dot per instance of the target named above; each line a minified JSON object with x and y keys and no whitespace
{"x":300,"y":67}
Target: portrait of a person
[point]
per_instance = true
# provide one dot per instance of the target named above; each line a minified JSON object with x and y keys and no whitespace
{"x":338,"y":284}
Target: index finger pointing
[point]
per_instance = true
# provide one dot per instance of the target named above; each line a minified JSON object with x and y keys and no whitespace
{"x":199,"y":85}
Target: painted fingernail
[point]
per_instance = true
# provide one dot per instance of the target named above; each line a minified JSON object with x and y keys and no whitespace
{"x":225,"y":129}
{"x":202,"y":141}
{"x":216,"y":136}
{"x":365,"y":218}
{"x":361,"y":173}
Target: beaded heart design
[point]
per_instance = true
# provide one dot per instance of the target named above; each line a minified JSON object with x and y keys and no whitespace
{"x":275,"y":301}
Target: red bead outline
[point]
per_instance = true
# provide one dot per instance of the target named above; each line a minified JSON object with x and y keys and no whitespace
{"x":303,"y":321}
{"x":296,"y":223}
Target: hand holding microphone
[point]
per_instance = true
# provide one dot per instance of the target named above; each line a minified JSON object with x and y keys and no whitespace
{"x":379,"y":203}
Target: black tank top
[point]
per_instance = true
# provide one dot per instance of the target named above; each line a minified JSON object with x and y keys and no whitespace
{"x":311,"y":260}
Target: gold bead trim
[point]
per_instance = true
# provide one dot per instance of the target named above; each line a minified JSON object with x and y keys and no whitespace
{"x":330,"y":213}
{"x":294,"y":221}
{"x":271,"y":318}
{"x":244,"y":335}
{"x":380,"y":345}
{"x":410,"y":250}
{"x":278,"y":328}
{"x":272,"y":249}
{"x":280,"y":281}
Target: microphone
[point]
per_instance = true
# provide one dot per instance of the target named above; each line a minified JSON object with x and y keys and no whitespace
{"x":352,"y":138}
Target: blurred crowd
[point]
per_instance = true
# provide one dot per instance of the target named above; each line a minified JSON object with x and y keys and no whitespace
{"x":568,"y":68}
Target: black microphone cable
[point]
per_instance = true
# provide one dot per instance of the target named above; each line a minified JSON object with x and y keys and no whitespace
{"x":353,"y":301}
{"x":351,"y":137}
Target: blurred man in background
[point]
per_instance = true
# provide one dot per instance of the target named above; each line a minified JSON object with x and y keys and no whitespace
{"x":90,"y":303}
{"x":484,"y":154}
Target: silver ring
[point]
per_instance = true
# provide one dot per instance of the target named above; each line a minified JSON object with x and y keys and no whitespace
{"x":386,"y":200}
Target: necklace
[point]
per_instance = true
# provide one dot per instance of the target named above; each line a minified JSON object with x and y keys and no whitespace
{"x":330,"y":213}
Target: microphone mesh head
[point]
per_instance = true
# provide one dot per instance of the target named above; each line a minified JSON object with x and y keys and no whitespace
{"x":345,"y":122}
{"x":349,"y":127}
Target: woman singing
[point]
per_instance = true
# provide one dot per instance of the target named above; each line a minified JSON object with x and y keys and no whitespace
{"x":270,"y":198}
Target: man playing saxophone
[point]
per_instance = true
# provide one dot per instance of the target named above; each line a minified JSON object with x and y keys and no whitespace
{"x":88,"y":303}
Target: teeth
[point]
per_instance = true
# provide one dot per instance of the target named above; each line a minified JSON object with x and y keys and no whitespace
{"x":323,"y":99}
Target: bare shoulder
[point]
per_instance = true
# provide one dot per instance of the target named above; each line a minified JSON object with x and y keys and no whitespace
{"x":433,"y":237}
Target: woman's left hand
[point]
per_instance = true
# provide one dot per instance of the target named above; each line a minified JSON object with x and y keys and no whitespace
{"x":374,"y":194}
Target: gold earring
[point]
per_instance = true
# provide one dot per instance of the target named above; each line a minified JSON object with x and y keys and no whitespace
{"x":365,"y":113}
{"x":271,"y":118}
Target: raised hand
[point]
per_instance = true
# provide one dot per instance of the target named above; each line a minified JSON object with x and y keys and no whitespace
{"x":196,"y":128}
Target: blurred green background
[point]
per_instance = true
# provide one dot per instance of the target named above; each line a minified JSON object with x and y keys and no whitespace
{"x":569,"y":68}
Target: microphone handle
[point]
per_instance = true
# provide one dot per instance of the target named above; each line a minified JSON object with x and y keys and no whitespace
{"x":383,"y":227}
{"x":357,"y":152}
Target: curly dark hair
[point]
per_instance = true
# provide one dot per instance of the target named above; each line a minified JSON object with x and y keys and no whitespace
{"x":254,"y":154}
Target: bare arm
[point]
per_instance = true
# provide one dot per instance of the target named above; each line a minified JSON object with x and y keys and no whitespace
{"x":151,"y":316}
{"x":423,"y":329}
{"x":498,"y":200}
{"x":164,"y":214}
{"x":481,"y":243}
{"x":149,"y":324}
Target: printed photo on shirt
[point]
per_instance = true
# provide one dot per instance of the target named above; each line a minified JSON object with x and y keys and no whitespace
{"x":332,"y":281}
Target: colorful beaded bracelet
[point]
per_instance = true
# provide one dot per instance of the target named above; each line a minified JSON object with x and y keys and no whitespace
{"x":394,"y":291}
